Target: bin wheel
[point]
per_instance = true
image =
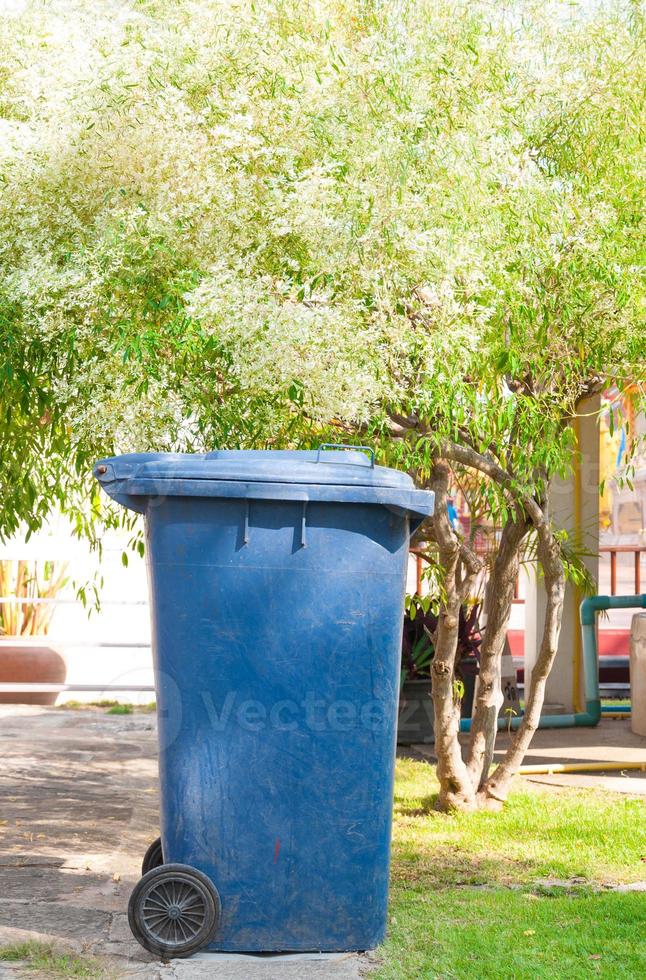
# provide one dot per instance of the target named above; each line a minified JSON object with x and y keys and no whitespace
{"x":174,"y":910}
{"x":153,"y":858}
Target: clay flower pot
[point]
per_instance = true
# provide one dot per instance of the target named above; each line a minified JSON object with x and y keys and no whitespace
{"x":31,"y":665}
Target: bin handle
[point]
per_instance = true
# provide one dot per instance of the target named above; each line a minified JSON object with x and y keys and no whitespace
{"x":343,"y":445}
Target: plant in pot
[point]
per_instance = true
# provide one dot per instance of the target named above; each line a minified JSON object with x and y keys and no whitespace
{"x":22,"y":582}
{"x":415,"y":722}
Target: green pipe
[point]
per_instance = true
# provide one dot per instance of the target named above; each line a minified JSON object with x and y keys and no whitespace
{"x":588,"y":615}
{"x":592,"y":714}
{"x":545,"y":721}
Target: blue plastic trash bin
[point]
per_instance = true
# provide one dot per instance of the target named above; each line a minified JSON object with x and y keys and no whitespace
{"x":277,"y":584}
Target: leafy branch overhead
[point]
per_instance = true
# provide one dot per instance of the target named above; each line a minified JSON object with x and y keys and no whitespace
{"x":235,"y":225}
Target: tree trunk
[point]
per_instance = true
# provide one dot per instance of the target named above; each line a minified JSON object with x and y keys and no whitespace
{"x":495,"y":790}
{"x":498,"y":601}
{"x":467,"y":786}
{"x":456,"y":788}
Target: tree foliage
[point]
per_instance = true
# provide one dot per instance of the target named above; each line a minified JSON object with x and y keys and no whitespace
{"x":234,"y":223}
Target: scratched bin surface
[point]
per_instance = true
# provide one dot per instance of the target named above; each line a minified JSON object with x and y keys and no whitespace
{"x":277,"y":584}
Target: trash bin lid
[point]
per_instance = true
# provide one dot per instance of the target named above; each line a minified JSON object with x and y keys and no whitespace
{"x":327,"y":465}
{"x":331,"y":472}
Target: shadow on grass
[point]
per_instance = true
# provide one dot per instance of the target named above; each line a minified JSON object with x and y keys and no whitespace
{"x":537,"y":835}
{"x":427,"y":806}
{"x":455,"y":867}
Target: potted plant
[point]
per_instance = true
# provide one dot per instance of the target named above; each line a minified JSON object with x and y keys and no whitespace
{"x":415,"y":702}
{"x":23,"y":582}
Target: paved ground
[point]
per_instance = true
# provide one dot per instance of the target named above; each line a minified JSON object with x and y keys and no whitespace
{"x":611,"y":741}
{"x":78,"y":792}
{"x":78,"y":807}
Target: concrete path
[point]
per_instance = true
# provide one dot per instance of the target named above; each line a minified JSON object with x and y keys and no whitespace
{"x":78,"y":808}
{"x":611,"y":741}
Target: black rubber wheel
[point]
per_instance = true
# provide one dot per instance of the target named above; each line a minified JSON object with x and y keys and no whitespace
{"x":174,"y":911}
{"x":153,"y":858}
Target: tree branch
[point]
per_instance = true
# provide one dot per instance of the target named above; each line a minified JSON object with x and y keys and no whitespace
{"x":489,"y":467}
{"x":496,"y":788}
{"x":498,"y":600}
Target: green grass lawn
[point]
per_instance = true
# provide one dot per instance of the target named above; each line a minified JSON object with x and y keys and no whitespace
{"x":467,"y":898}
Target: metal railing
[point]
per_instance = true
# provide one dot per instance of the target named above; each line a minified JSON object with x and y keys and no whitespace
{"x":613,"y":550}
